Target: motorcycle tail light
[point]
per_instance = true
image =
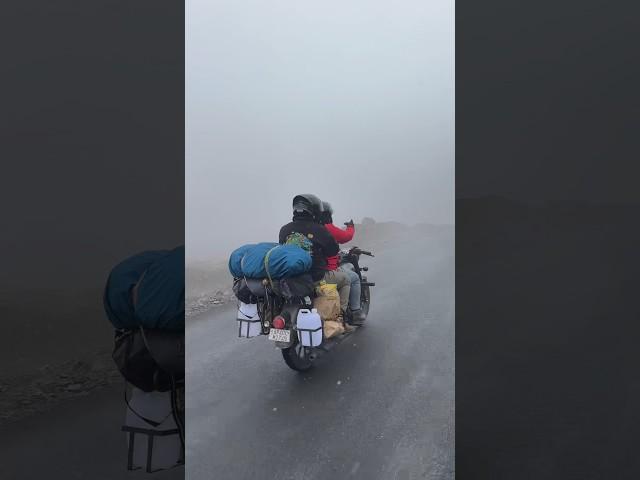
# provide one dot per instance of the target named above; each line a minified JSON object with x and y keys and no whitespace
{"x":278,"y":322}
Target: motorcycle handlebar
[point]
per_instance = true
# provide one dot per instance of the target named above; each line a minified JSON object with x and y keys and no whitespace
{"x":357,"y":251}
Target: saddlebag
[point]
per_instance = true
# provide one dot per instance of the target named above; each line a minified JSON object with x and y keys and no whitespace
{"x":248,"y":290}
{"x":295,"y":287}
{"x":151,"y":360}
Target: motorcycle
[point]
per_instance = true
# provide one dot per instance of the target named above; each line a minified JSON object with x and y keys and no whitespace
{"x":278,"y":310}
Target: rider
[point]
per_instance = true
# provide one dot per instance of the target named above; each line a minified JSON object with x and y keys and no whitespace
{"x":333,"y":263}
{"x":307,"y":210}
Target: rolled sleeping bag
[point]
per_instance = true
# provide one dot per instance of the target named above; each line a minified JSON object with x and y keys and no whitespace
{"x":252,"y":263}
{"x":286,"y":261}
{"x":235,"y":259}
{"x":158,"y":278}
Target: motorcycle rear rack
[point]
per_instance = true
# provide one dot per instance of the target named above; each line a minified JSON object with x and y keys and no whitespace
{"x":248,"y":322}
{"x":151,"y":434}
{"x":310,"y":332}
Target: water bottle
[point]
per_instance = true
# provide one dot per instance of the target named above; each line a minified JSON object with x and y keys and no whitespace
{"x":309,"y":327}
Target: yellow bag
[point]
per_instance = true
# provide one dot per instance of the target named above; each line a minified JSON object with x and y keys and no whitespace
{"x":327,"y":303}
{"x":325,"y":289}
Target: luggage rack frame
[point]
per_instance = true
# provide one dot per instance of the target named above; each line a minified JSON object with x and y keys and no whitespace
{"x":248,"y":322}
{"x":151,"y":434}
{"x":311,"y":332}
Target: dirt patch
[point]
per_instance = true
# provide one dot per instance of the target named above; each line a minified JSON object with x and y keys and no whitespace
{"x":25,"y":395}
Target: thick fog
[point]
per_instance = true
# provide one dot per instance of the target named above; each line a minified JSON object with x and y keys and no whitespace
{"x":352,"y":101}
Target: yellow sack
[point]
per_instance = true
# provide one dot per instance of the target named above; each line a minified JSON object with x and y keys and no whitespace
{"x":327,"y":302}
{"x":325,"y":289}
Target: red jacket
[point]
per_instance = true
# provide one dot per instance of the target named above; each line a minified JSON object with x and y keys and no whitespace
{"x":341,"y":236}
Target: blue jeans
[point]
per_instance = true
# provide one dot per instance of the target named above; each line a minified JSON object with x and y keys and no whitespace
{"x":354,"y":293}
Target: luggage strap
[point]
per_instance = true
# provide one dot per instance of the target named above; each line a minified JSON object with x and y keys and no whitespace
{"x":266,"y":264}
{"x":134,"y":291}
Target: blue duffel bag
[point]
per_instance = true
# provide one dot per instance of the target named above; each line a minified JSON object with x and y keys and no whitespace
{"x":252,"y":263}
{"x":269,"y":260}
{"x":235,"y":260}
{"x":147,"y":290}
{"x":285,"y":261}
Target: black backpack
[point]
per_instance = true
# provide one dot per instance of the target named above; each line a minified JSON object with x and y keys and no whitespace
{"x":152,"y":360}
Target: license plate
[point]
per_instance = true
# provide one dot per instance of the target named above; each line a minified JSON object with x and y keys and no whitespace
{"x":279,"y":335}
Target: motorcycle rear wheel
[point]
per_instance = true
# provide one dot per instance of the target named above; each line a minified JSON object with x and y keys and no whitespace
{"x":295,"y":358}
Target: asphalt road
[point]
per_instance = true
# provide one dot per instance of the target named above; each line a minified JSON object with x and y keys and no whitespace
{"x":78,"y":439}
{"x":379,"y":406}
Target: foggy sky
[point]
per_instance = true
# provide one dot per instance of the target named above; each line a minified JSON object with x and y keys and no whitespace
{"x":352,"y":101}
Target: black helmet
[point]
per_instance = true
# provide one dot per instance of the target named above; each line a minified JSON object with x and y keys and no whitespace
{"x":307,"y":203}
{"x":327,"y":213}
{"x":327,"y":208}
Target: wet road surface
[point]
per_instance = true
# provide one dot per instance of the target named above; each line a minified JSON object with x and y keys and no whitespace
{"x":379,"y":406}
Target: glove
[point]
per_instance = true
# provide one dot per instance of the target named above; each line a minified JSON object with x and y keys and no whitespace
{"x":350,"y":222}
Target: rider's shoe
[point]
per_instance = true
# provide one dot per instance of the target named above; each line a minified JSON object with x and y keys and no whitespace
{"x":358,"y":318}
{"x":347,"y":328}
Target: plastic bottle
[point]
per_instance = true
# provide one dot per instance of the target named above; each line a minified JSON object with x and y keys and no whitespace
{"x":309,"y":327}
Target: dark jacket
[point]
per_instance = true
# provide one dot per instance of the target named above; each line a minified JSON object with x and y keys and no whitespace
{"x":324,"y":244}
